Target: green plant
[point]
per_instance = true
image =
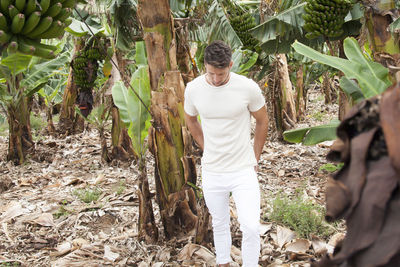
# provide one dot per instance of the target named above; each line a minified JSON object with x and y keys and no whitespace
{"x":62,"y":211}
{"x":301,"y":215}
{"x":87,"y":195}
{"x":120,"y":187}
{"x":318,"y":115}
{"x":329,"y":167}
{"x":37,"y":122}
{"x":10,"y":264}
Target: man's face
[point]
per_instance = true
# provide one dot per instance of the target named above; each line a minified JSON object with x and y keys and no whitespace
{"x":217,"y":76}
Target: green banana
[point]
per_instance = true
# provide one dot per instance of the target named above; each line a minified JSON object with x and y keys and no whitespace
{"x":12,"y":47}
{"x":38,"y":44}
{"x":64,"y":14}
{"x":44,"y":5}
{"x":69,"y":3}
{"x":30,"y":7}
{"x":31,"y":22}
{"x":4,"y":37}
{"x":43,"y":25}
{"x":4,"y":4}
{"x":25,"y":48}
{"x":20,"y":4}
{"x":56,"y":29}
{"x":12,"y":11}
{"x":17,"y":23}
{"x":3,"y":23}
{"x":44,"y":53}
{"x":54,"y":10}
{"x":67,"y":22}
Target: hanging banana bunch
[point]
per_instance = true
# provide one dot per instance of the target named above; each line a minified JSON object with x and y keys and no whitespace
{"x":23,"y":23}
{"x":85,"y":66}
{"x":325,"y":17}
{"x":241,"y":21}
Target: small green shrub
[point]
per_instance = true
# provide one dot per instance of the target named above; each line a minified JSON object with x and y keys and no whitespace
{"x":87,"y":195}
{"x":329,"y":167}
{"x":302,"y":216}
{"x":120,"y":188}
{"x":37,"y":123}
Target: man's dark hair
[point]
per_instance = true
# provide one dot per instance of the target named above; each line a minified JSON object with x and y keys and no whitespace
{"x":218,"y":54}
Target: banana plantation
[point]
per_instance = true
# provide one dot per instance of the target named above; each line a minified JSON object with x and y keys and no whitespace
{"x":98,"y":168}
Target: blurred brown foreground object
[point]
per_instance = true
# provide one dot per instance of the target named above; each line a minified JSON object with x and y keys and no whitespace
{"x":365,"y":192}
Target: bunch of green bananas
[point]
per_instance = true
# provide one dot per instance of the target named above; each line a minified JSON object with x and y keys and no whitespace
{"x":23,"y":23}
{"x":241,"y":21}
{"x":325,"y":17}
{"x":85,"y":65}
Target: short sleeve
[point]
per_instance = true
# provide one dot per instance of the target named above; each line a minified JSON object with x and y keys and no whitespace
{"x":257,"y":100}
{"x":188,"y":105}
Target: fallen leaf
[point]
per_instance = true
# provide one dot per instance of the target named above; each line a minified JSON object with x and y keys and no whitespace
{"x":298,"y":246}
{"x":319,"y":246}
{"x":158,"y":264}
{"x":281,"y":173}
{"x":265,"y":228}
{"x":13,"y":211}
{"x":44,"y":219}
{"x":62,"y":249}
{"x":284,"y":235}
{"x":335,"y":239}
{"x":109,"y":255}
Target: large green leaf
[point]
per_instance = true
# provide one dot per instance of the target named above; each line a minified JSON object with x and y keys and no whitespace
{"x":312,"y":135}
{"x":218,"y":26}
{"x":38,"y":75}
{"x":351,"y":88}
{"x":140,"y":56}
{"x":372,"y":77}
{"x":17,"y":62}
{"x":79,"y":29}
{"x":243,"y":60}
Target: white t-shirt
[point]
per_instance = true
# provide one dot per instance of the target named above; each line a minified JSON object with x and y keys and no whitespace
{"x":225,"y":119}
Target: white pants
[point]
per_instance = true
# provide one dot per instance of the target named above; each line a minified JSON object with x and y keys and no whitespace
{"x":246,"y":194}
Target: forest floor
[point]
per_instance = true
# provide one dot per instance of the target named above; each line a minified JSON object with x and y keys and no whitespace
{"x":45,"y":221}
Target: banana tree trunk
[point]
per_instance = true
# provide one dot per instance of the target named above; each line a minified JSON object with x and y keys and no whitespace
{"x":378,"y":16}
{"x":300,"y":95}
{"x":121,"y":143}
{"x":288,"y":108}
{"x":173,"y":167}
{"x":20,"y":137}
{"x":70,"y":122}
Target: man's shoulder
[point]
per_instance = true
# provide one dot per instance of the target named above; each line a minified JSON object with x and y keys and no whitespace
{"x":198,"y":81}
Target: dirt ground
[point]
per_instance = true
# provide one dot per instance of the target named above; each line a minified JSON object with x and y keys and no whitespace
{"x":44,"y":223}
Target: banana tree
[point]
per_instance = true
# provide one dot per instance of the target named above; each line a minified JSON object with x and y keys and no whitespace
{"x":133,"y":108}
{"x":22,"y":76}
{"x":363,"y":78}
{"x":168,"y":139}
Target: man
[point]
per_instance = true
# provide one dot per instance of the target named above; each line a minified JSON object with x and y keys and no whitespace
{"x":225,"y":100}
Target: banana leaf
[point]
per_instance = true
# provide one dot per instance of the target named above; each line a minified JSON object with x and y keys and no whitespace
{"x":351,"y":89}
{"x":16,"y":63}
{"x":372,"y":77}
{"x":131,"y":109}
{"x":312,"y":135}
{"x":218,"y":27}
{"x":39,"y":74}
{"x":243,"y":60}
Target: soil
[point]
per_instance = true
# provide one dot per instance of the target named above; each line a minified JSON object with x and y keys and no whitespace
{"x":45,"y":223}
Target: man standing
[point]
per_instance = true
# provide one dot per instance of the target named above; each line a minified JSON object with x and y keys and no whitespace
{"x":225,"y":102}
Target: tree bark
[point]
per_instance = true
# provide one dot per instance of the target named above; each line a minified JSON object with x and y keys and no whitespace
{"x":69,"y":122}
{"x":20,"y":136}
{"x":288,"y":108}
{"x":173,"y":167}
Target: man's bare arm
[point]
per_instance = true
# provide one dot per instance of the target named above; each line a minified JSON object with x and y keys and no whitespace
{"x":261,"y":130}
{"x":195,"y":129}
